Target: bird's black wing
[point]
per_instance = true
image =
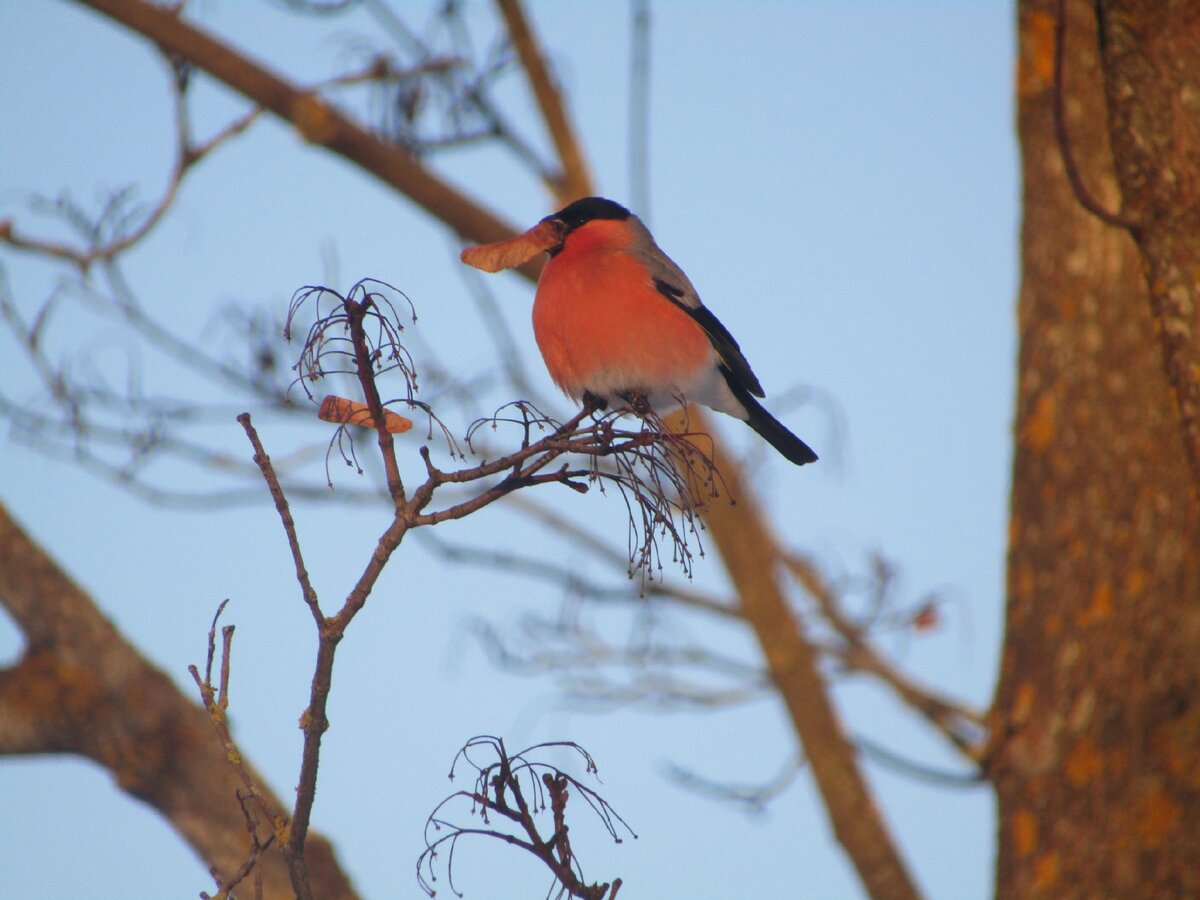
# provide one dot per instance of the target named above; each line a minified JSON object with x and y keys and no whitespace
{"x":724,"y":342}
{"x":670,"y":281}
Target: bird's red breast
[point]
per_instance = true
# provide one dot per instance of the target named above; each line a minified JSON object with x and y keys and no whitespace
{"x":602,"y":325}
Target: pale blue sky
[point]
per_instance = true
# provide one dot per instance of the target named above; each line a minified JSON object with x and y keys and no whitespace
{"x":839,"y":181}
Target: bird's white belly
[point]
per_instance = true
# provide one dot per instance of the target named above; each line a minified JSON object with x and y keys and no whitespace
{"x":706,"y":386}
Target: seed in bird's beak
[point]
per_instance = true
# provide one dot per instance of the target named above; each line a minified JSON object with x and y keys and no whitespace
{"x":515,"y":251}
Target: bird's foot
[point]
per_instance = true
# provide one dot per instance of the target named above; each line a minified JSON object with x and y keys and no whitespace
{"x":593,"y":403}
{"x":637,"y":401}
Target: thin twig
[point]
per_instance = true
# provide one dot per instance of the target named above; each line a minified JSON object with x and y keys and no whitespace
{"x":573,"y":583}
{"x":517,"y":788}
{"x":958,"y":723}
{"x":753,"y":798}
{"x":468,"y":95}
{"x":285,"y":515}
{"x":187,"y":155}
{"x":913,"y":769}
{"x":216,"y":703}
{"x":318,"y":121}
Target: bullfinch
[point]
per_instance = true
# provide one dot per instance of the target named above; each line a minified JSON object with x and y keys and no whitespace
{"x":619,"y":323}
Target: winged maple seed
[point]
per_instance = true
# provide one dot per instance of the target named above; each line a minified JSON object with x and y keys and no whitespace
{"x":349,"y":412}
{"x":515,"y":251}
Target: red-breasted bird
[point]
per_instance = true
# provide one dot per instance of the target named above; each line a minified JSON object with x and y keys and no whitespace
{"x":619,"y":323}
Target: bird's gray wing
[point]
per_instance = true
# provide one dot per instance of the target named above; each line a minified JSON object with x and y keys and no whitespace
{"x":669,"y":280}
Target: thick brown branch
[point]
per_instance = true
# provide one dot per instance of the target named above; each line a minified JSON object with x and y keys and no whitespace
{"x":575,"y":182}
{"x":80,"y":688}
{"x":317,"y":120}
{"x":752,"y":558}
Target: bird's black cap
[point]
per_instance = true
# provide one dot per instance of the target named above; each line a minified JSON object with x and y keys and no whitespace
{"x":583,"y":211}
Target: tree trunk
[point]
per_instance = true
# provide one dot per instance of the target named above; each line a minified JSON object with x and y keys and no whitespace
{"x":1096,"y":722}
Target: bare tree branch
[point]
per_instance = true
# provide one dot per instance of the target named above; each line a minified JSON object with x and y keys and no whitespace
{"x":515,"y":788}
{"x":753,"y":798}
{"x":962,"y":726}
{"x":752,"y":556}
{"x":575,"y":585}
{"x":574,"y":182}
{"x":639,"y":109}
{"x":160,"y":748}
{"x":318,"y":121}
{"x":104,"y":247}
{"x":360,"y":333}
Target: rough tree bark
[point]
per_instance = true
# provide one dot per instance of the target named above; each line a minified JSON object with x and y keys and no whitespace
{"x":1151,"y":59}
{"x":1096,"y":721}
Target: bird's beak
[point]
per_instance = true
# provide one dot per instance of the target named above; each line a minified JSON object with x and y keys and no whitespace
{"x":545,"y":235}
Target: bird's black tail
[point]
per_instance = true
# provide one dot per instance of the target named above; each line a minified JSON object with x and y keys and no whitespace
{"x":776,"y":434}
{"x":771,"y":429}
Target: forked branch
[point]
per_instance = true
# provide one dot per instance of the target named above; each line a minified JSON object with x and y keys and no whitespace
{"x":511,"y":795}
{"x":959,"y":724}
{"x":359,"y":334}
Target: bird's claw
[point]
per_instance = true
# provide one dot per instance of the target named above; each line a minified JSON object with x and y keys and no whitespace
{"x":593,"y":403}
{"x":637,"y":402}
